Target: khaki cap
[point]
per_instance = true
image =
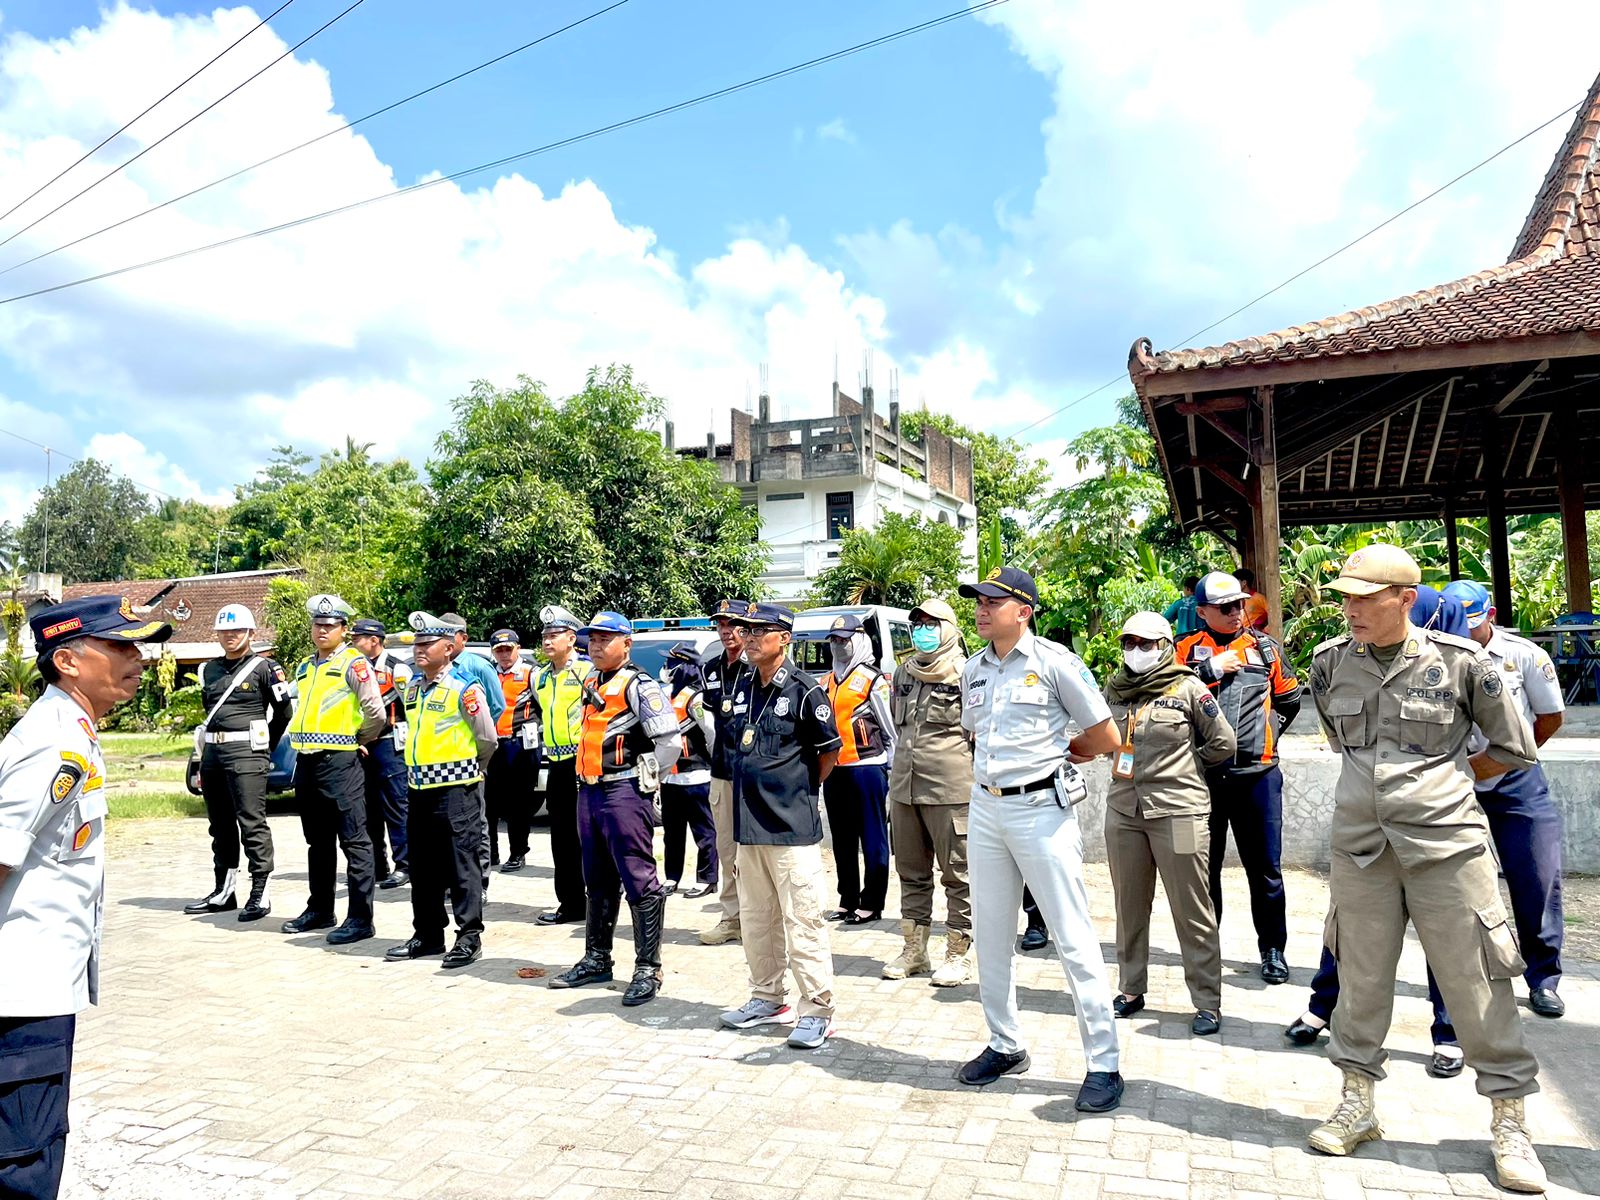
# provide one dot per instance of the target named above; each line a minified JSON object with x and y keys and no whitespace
{"x":1148,"y":625}
{"x":1376,"y":567}
{"x":936,"y":608}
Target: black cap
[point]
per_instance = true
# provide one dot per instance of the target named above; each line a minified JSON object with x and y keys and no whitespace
{"x":368,"y":625}
{"x":684,"y":652}
{"x":764,"y":614}
{"x":504,"y":637}
{"x":845,"y":625}
{"x":732,"y":609}
{"x":1004,"y":583}
{"x":108,"y":617}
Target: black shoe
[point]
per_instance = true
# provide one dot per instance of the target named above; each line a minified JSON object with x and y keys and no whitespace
{"x":554,"y":916}
{"x":258,"y":905}
{"x":991,"y":1065}
{"x":415,"y":948}
{"x":1274,"y":969}
{"x":837,"y":914}
{"x":698,"y":890}
{"x":585,"y":971}
{"x":309,"y":920}
{"x":1205,"y":1023}
{"x":856,"y":918}
{"x":1302,"y":1034}
{"x":465,"y":952}
{"x":221,"y":898}
{"x":398,"y":880}
{"x":1546,"y":1003}
{"x":1126,"y":1006}
{"x":669,"y":887}
{"x":1034,"y":937}
{"x":513,"y":865}
{"x":1445,"y":1066}
{"x":494,"y":856}
{"x":1101,"y":1092}
{"x":648,"y":918}
{"x":351,"y":931}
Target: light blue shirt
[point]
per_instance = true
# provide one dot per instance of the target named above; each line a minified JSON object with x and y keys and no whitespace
{"x":475,"y":668}
{"x":1019,"y":709}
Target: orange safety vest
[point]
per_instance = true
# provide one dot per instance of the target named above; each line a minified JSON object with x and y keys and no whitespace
{"x":853,"y":715}
{"x":604,"y":744}
{"x":393,"y":701}
{"x":696,"y":754}
{"x":513,"y":684}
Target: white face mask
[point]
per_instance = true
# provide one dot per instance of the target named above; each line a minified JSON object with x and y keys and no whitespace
{"x":1140,"y":661}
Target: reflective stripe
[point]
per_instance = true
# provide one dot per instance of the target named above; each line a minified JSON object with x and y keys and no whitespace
{"x":328,"y":716}
{"x":560,"y":753}
{"x":603,"y":749}
{"x":853,"y":715}
{"x":440,"y":748}
{"x":323,"y":741}
{"x":433,"y":775}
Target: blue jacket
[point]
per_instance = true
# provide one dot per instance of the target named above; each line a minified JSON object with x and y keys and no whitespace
{"x":477,"y":669}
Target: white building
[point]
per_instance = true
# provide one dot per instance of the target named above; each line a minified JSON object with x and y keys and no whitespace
{"x":815,"y":478}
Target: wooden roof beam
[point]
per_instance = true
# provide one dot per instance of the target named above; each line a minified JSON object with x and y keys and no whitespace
{"x":1528,"y":380}
{"x":1438,"y":433}
{"x":1216,"y":472}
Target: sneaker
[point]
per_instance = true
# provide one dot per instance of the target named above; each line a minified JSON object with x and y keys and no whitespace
{"x":811,"y":1032}
{"x":758,"y":1012}
{"x":992,"y":1064}
{"x":1101,"y":1092}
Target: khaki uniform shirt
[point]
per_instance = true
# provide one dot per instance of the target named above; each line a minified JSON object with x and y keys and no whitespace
{"x":1174,"y":736}
{"x":1402,"y":732}
{"x":932,"y":757}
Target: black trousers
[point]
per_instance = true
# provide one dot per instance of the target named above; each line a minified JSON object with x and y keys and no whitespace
{"x":688,"y":807}
{"x":233,"y":781}
{"x":35,"y":1081}
{"x":385,"y":774}
{"x":330,"y":791}
{"x":508,"y":795}
{"x":561,"y":795}
{"x":444,"y":829}
{"x":1253,"y":806}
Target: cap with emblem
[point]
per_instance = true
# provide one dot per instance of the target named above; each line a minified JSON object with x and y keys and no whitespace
{"x":607,"y":621}
{"x":730,"y":608}
{"x":456,"y":621}
{"x":233,"y":616}
{"x":935,"y":608}
{"x":553,"y":616}
{"x":1148,"y":625}
{"x":1004,"y":583}
{"x":1219,"y":588}
{"x":846,"y":625}
{"x":368,"y":626}
{"x":766,"y":614}
{"x":1375,"y":567}
{"x":1473,"y":598}
{"x":425,"y":627}
{"x":109,"y":617}
{"x":504,"y":637}
{"x":326,"y":607}
{"x":684,"y":652}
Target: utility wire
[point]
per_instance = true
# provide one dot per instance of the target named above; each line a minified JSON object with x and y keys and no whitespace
{"x":88,"y":154}
{"x":600,"y":131}
{"x":49,"y":450}
{"x":1188,"y":340}
{"x":313,"y":141}
{"x":135,"y":158}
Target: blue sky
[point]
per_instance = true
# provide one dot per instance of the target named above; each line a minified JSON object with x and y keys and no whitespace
{"x":995,"y":208}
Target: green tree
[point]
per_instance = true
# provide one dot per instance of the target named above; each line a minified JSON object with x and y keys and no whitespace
{"x":93,"y":520}
{"x":576,"y":502}
{"x":902,"y":560}
{"x":1006,"y":477}
{"x":182,"y":537}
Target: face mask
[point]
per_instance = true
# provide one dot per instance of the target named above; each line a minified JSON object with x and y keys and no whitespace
{"x":1140,"y":661}
{"x":925,"y":638}
{"x":840,"y":649}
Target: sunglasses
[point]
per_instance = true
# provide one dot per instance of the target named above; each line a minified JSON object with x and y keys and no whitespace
{"x":1232,"y":606}
{"x":1138,"y":643}
{"x":763,"y":630}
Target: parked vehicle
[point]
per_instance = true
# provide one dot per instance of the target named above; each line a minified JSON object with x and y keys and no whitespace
{"x":888,"y":628}
{"x":650,"y":645}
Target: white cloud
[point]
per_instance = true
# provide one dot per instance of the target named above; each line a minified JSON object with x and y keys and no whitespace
{"x":836,"y":131}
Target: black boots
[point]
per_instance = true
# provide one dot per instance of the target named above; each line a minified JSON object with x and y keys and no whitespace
{"x":258,"y":905}
{"x":221,"y":899}
{"x":647,"y":920}
{"x":595,"y":965}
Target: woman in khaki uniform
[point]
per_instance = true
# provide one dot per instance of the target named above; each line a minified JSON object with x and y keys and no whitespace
{"x":1156,"y":813}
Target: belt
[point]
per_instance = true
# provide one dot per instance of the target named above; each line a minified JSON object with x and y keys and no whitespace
{"x":217,"y":739}
{"x":591,"y":780}
{"x":1022,"y":789}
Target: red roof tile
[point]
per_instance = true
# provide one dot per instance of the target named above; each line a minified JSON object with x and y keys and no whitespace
{"x":191,"y":604}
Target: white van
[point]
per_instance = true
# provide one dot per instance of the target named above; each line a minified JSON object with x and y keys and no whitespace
{"x":889,"y":629}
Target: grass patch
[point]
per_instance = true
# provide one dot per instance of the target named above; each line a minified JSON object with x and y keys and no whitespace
{"x":157,"y":770}
{"x":132,"y":747}
{"x":134,"y":806}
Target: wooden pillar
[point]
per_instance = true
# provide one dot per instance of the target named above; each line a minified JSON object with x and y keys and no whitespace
{"x":1264,"y":510}
{"x":1574,"y":529}
{"x":1494,"y":495}
{"x":1452,"y":537}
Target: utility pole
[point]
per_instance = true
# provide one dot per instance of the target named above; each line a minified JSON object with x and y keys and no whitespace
{"x":216,"y":557}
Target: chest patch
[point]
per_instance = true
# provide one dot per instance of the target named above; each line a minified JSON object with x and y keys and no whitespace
{"x":1433,"y":676}
{"x":781,"y":707}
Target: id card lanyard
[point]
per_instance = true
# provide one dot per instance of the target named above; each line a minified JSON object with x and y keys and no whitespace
{"x":757,"y":691}
{"x":1122,"y":767}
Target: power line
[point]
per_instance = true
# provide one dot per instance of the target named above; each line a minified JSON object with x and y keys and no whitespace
{"x":600,"y":131}
{"x":88,"y":154}
{"x":313,"y":141}
{"x":49,"y":450}
{"x":135,"y":158}
{"x":1188,"y":340}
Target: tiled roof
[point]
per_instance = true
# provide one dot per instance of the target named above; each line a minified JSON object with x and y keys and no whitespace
{"x":191,"y":604}
{"x":1551,"y":285}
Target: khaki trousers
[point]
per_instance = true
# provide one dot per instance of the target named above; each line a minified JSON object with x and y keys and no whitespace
{"x":1138,"y":849}
{"x":1459,"y":917}
{"x":921,"y":834}
{"x":727,"y":848}
{"x":780,"y":907}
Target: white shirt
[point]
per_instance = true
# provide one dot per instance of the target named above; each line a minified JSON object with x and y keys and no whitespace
{"x":52,"y":837}
{"x":1019,"y":709}
{"x":1530,"y":677}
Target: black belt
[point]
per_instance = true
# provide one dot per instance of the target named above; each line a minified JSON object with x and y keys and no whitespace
{"x":1022,"y":789}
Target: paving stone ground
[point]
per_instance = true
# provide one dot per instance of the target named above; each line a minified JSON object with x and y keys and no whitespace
{"x":228,"y":1060}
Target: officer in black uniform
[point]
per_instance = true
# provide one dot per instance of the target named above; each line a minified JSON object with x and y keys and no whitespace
{"x":246,"y":697}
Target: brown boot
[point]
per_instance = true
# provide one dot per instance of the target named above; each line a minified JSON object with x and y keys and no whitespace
{"x":1515,"y":1160}
{"x":725,"y":930}
{"x":1353,"y":1122}
{"x":913,"y":958}
{"x":956,"y":968}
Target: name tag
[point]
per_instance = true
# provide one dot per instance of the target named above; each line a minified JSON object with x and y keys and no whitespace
{"x":1253,"y":657}
{"x":1123,"y":767}
{"x":1029,"y":695}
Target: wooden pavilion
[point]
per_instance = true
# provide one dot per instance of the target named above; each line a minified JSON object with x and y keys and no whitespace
{"x":1477,"y":396}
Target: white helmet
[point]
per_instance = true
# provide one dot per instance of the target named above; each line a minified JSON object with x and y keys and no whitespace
{"x":234,"y":616}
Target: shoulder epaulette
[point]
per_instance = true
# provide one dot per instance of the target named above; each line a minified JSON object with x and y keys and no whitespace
{"x":1341,"y":640}
{"x":1450,"y":639}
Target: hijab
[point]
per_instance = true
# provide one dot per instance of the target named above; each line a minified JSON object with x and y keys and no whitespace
{"x":1127,"y":688}
{"x":859,"y":651}
{"x":944,"y":664}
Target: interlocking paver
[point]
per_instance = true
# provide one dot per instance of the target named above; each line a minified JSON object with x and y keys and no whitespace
{"x":230,"y":1061}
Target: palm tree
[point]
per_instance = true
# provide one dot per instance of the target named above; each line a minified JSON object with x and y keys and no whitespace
{"x":878,"y":564}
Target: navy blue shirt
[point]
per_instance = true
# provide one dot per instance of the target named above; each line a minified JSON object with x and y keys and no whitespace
{"x":776,"y":735}
{"x":721,"y":681}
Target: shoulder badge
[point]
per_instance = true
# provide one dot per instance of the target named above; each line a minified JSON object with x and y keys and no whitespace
{"x":1433,"y":676}
{"x":1491,"y":683}
{"x":69,"y":777}
{"x":469,"y":701}
{"x":1548,"y":670}
{"x":781,"y":707}
{"x":824,"y":713}
{"x":361,"y":670}
{"x":1209,"y":706}
{"x":1439,"y":637}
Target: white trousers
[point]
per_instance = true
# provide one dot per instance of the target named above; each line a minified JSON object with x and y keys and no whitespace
{"x":1011,"y":842}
